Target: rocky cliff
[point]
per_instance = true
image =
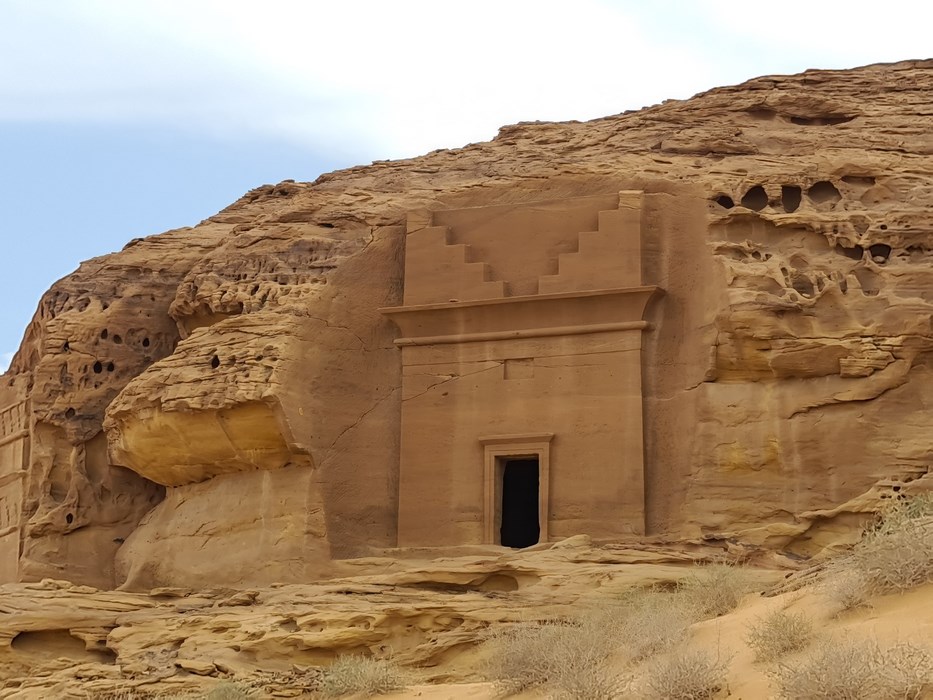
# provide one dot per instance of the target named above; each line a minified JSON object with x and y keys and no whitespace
{"x":228,"y":394}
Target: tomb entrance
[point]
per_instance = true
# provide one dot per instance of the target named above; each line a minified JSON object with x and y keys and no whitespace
{"x":521,"y":372}
{"x":519,"y":524}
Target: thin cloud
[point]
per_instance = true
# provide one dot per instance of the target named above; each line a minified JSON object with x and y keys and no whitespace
{"x":406,"y":77}
{"x":392,"y":79}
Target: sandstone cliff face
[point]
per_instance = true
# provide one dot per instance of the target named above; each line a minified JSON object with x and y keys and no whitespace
{"x":239,"y":375}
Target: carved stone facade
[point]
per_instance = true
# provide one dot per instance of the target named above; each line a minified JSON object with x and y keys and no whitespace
{"x":521,"y":357}
{"x":14,"y":458}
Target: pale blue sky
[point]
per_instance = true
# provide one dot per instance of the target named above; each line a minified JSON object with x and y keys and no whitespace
{"x":122,"y":118}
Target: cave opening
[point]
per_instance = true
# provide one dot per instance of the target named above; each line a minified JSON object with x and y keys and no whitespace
{"x":520,"y":525}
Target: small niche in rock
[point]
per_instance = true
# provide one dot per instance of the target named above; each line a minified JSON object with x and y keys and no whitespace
{"x":790,"y":198}
{"x":755,"y":199}
{"x":117,"y":339}
{"x":70,"y":413}
{"x":883,"y":227}
{"x":66,"y":347}
{"x":110,"y":367}
{"x":215,"y":362}
{"x":858,"y":180}
{"x":69,"y":518}
{"x":56,"y":644}
{"x":880,"y":252}
{"x":823,"y":192}
{"x":289,"y":625}
{"x":725,"y":201}
{"x":145,"y":342}
{"x":827,"y":120}
{"x":103,"y":334}
{"x":803,"y":286}
{"x":854,"y":253}
{"x":98,"y":367}
{"x":761,"y":113}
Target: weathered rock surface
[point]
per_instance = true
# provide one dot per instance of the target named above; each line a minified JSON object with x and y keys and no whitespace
{"x":240,"y":370}
{"x":65,"y":641}
{"x":61,"y":640}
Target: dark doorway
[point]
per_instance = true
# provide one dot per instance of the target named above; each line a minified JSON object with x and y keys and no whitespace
{"x":520,"y":526}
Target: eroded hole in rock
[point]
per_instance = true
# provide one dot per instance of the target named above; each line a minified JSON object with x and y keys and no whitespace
{"x":755,"y":199}
{"x":117,"y":339}
{"x":853,"y":253}
{"x":66,"y":347}
{"x":803,"y":286}
{"x":98,"y":367}
{"x":823,"y":192}
{"x":869,"y":281}
{"x":725,"y":201}
{"x":790,"y":197}
{"x":51,"y":644}
{"x":520,"y":498}
{"x":215,"y":362}
{"x":145,"y":342}
{"x":70,"y":413}
{"x":499,"y":582}
{"x":826,"y":120}
{"x":880,"y":252}
{"x":110,"y":367}
{"x":103,"y":334}
{"x":69,"y":518}
{"x":289,"y":625}
{"x":858,"y":180}
{"x":761,"y":113}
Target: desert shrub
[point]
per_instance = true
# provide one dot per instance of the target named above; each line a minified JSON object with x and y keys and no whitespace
{"x":230,"y":691}
{"x":895,"y":554}
{"x":361,"y":674}
{"x":857,"y":670}
{"x":650,"y":621}
{"x":849,"y":589}
{"x":714,"y":589}
{"x":685,"y":675}
{"x":567,"y":656}
{"x":779,"y":633}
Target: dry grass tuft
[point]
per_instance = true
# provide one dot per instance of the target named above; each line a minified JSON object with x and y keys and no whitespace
{"x":361,"y":674}
{"x":857,"y":670}
{"x":230,"y":691}
{"x":896,"y":554}
{"x":652,"y":620}
{"x":567,"y":656}
{"x":715,"y":589}
{"x":686,"y":675}
{"x":779,"y":633}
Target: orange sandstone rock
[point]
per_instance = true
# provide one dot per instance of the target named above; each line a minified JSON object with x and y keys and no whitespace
{"x":226,"y":404}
